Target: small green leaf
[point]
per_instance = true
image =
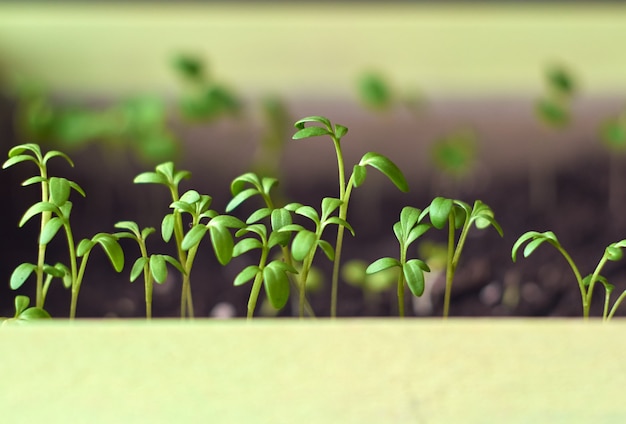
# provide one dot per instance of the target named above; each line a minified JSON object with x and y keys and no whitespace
{"x":112,"y":248}
{"x":128,"y":225}
{"x":36,"y":209}
{"x":328,"y":250}
{"x":382,"y":264}
{"x":194,"y":236}
{"x":414,"y":276}
{"x":408,"y":218}
{"x":387,"y":167}
{"x":21,"y":304}
{"x":280,"y":218}
{"x":308,"y":132}
{"x":329,"y":205}
{"x":415,"y":233}
{"x":241,"y":197}
{"x":309,"y":212}
{"x":137,"y":268}
{"x":190,"y":196}
{"x":246,"y":245}
{"x":532,"y":246}
{"x":342,"y":222}
{"x":340,"y":131}
{"x":613,"y":253}
{"x":20,"y":275}
{"x":318,"y":119}
{"x":158,"y":268}
{"x":50,"y":230}
{"x":59,"y":190}
{"x":303,"y":243}
{"x":222,"y":242}
{"x":360,"y":173}
{"x":33,"y":314}
{"x":276,"y":285}
{"x":84,"y":247}
{"x":167,"y":227}
{"x":150,"y":178}
{"x":258,"y":215}
{"x":247,"y":274}
{"x":440,"y":209}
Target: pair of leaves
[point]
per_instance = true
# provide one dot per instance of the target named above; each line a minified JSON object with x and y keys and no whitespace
{"x":165,"y":174}
{"x":21,"y":273}
{"x":336,"y":132}
{"x":442,"y":208}
{"x":32,"y":152}
{"x":260,"y":186}
{"x":109,"y":244}
{"x":157,"y":265}
{"x":275,"y":280}
{"x":407,"y":230}
{"x":382,"y":164}
{"x":23,"y":313}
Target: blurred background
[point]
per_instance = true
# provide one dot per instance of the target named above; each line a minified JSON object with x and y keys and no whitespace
{"x":520,"y":104}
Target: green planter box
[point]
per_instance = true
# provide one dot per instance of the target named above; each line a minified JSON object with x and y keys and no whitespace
{"x":288,"y":371}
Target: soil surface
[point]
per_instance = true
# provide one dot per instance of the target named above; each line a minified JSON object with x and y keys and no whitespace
{"x":488,"y":283}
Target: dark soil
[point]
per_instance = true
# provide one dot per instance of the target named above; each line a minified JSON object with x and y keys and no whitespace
{"x":488,"y":283}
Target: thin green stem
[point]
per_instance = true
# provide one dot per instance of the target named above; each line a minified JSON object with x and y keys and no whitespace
{"x":76,"y":285}
{"x":401,"y":281}
{"x":188,"y":306}
{"x":616,"y":305}
{"x":592,"y":282}
{"x":579,"y":279}
{"x":344,"y":194}
{"x":40,"y":296}
{"x":258,"y":281}
{"x":147,"y":276}
{"x":450,"y":265}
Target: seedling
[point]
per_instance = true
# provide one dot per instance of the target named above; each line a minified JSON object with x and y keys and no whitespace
{"x":455,"y":154}
{"x":613,"y":252}
{"x":407,"y":230}
{"x":203,"y":98}
{"x":23,"y":313}
{"x":306,"y":242}
{"x":457,"y":215}
{"x":376,"y":93}
{"x":243,"y":188}
{"x":197,"y":206}
{"x":375,"y":160}
{"x":153,"y":267}
{"x":55,"y":209}
{"x":554,"y":110}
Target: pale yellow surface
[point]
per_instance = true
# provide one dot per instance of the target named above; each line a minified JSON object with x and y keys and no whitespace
{"x":315,"y":50}
{"x":284,"y":371}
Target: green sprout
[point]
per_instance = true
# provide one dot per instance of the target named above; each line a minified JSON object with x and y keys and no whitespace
{"x":55,"y":209}
{"x":457,"y":215}
{"x":554,"y":109}
{"x":306,"y":242}
{"x":376,"y":93}
{"x":203,"y":98}
{"x":613,"y":252}
{"x":153,"y":267}
{"x":23,"y":313}
{"x":407,"y":230}
{"x":187,"y":244}
{"x":455,"y":154}
{"x":375,"y":160}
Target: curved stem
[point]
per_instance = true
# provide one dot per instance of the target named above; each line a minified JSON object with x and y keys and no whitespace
{"x":616,"y":305}
{"x":344,"y":195}
{"x":76,"y":285}
{"x":401,"y":281}
{"x":581,"y":286}
{"x":592,"y":282}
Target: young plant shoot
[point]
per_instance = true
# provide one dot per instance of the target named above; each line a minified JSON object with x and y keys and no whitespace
{"x":323,"y":127}
{"x":407,"y":230}
{"x":457,"y":215}
{"x":55,"y":209}
{"x":153,"y":267}
{"x":23,"y":313}
{"x":613,"y":252}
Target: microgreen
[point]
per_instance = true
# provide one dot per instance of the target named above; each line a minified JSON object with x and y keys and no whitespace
{"x":457,"y":215}
{"x":197,"y":206}
{"x":243,"y":188}
{"x":553,"y":109}
{"x":55,"y":209}
{"x":613,"y":252}
{"x":23,"y":313}
{"x":153,"y":267}
{"x":407,"y":230}
{"x":306,"y":242}
{"x":322,"y":126}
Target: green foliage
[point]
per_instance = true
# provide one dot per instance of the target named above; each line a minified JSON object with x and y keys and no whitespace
{"x":376,"y":92}
{"x":457,"y":215}
{"x":613,"y":252}
{"x":455,"y":154}
{"x":24,"y":314}
{"x":554,"y":107}
{"x":407,"y":230}
{"x":321,"y":126}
